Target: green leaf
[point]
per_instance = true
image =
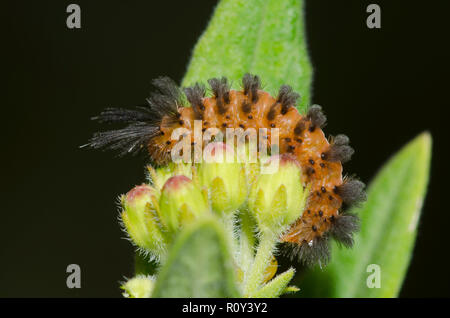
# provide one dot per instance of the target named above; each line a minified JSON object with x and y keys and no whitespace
{"x":199,"y":264}
{"x":389,"y":221}
{"x":263,"y":37}
{"x":276,"y":286}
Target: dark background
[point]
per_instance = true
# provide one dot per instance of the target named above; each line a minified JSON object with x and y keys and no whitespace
{"x":380,"y":87}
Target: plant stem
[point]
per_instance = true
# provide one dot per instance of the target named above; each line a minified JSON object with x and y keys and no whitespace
{"x":263,"y":255}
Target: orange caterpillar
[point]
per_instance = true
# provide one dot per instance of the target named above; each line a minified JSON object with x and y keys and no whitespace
{"x":150,"y":127}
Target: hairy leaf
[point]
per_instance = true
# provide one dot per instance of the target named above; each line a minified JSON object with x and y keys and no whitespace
{"x":199,"y":264}
{"x":277,"y":286}
{"x":263,"y":37}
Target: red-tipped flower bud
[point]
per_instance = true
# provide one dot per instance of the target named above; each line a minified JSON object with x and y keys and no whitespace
{"x":139,"y":218}
{"x":181,"y":202}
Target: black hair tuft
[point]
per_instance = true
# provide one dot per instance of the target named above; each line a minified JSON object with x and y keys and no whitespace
{"x":311,"y":253}
{"x":221,"y":90}
{"x":352,"y":191}
{"x":143,"y":121}
{"x":164,"y":101}
{"x":316,"y":116}
{"x":339,"y":149}
{"x":287,"y":98}
{"x":343,"y":227}
{"x":195,"y":95}
{"x":129,"y":140}
{"x":251,"y":85}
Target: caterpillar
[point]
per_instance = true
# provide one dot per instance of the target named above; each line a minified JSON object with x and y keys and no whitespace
{"x":149,"y":129}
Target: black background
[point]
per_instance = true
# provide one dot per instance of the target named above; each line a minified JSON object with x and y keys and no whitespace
{"x":380,"y":87}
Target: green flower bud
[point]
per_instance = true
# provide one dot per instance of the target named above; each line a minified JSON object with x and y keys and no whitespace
{"x":139,"y":218}
{"x":159,"y":176}
{"x":181,"y":202}
{"x":224,"y":178}
{"x":276,"y":200}
{"x":140,"y":286}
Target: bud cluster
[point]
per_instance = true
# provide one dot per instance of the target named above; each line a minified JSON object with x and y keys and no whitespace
{"x":179,"y":194}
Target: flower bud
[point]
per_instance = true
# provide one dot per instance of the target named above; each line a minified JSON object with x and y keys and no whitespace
{"x":139,"y":219}
{"x":181,"y":202}
{"x":160,"y":175}
{"x":140,"y":286}
{"x":276,"y":200}
{"x":224,"y":178}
